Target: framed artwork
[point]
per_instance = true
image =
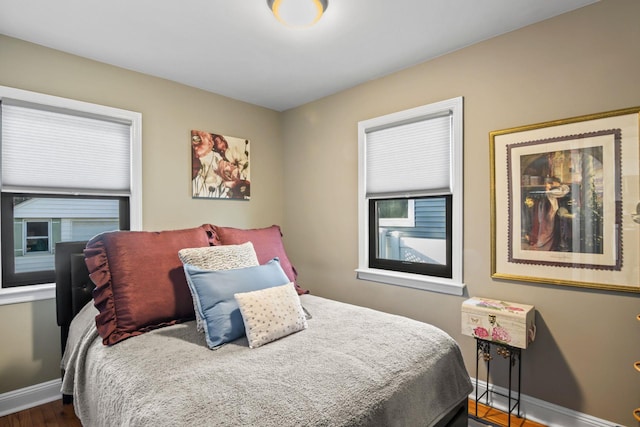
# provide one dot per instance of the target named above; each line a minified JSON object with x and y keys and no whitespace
{"x":564,"y":200}
{"x":219,"y":166}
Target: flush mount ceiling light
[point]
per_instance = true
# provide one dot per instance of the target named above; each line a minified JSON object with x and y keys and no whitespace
{"x":298,"y":13}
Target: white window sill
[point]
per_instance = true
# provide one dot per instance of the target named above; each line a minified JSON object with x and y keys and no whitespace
{"x":30,"y":293}
{"x":408,"y":280}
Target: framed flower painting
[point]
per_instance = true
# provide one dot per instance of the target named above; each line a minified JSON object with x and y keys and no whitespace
{"x":219,"y":166}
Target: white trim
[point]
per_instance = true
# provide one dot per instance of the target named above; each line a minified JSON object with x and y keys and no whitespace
{"x":454,"y":286}
{"x":409,"y":280}
{"x":30,"y":293}
{"x":540,"y":411}
{"x":135,"y":200}
{"x":28,"y":397}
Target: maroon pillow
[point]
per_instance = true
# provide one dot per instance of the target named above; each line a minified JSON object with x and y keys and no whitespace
{"x":140,"y":283}
{"x":267,"y":243}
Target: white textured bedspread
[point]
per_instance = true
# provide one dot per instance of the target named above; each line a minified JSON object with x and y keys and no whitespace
{"x":352,"y":367}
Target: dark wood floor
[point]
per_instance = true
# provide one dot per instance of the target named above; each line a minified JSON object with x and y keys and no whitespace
{"x":55,"y":414}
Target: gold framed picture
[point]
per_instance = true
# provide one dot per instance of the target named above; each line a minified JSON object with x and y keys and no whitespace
{"x":564,"y":198}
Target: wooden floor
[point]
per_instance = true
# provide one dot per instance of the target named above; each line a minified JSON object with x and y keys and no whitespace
{"x":497,"y":417}
{"x":55,"y":414}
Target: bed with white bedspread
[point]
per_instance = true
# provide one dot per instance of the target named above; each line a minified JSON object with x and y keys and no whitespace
{"x":350,"y":366}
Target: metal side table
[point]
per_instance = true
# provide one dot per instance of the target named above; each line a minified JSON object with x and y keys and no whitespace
{"x":514,"y":355}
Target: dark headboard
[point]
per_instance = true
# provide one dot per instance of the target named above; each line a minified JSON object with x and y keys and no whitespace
{"x":73,"y":286}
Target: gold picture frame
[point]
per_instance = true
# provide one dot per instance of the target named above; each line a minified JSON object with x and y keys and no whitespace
{"x":564,"y":202}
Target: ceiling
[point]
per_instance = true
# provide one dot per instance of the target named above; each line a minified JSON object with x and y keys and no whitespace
{"x":238,"y":49}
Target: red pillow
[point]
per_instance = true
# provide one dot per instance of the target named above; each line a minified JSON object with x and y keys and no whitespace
{"x":267,"y":243}
{"x":140,"y":282}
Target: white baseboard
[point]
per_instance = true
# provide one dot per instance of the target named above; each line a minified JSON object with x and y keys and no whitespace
{"x":538,"y":410}
{"x":28,"y":397}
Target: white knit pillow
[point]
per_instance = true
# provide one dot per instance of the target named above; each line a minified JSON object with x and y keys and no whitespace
{"x":224,"y":257}
{"x":271,"y":313}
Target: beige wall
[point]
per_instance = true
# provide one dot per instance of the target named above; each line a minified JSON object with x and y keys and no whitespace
{"x":30,"y":350}
{"x":584,"y":62}
{"x":31,"y":344}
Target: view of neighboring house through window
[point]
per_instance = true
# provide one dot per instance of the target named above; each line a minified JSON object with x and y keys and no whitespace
{"x":41,"y":222}
{"x":412,"y":232}
{"x":398,"y":213}
{"x":410,"y":197}
{"x":67,"y":174}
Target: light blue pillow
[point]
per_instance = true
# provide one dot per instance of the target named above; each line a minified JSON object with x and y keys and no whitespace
{"x":213,"y":294}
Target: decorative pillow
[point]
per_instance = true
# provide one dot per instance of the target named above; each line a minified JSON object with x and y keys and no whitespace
{"x":213,"y":292}
{"x":140,"y":283}
{"x":218,"y":258}
{"x":270,"y":314}
{"x":266,"y":241}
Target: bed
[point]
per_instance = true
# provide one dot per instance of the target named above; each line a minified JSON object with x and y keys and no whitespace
{"x":348,"y":365}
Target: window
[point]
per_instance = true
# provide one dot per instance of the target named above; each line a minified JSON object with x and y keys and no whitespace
{"x":36,"y":237}
{"x":423,"y":248}
{"x":70,"y":170}
{"x":28,"y":242}
{"x":410,"y":198}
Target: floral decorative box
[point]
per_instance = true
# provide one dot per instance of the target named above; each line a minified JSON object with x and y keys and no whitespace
{"x":502,"y":322}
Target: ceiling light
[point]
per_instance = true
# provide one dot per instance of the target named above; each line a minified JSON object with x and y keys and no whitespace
{"x":298,"y":13}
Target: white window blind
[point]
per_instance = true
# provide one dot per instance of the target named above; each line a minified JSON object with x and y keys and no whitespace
{"x":410,"y":159}
{"x":59,"y":151}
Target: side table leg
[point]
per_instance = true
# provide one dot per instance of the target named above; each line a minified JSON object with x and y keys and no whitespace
{"x":488,"y":359}
{"x":511,"y":359}
{"x":519,"y":380}
{"x":477,"y":372}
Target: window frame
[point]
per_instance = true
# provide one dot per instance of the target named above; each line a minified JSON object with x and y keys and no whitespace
{"x":455,"y":284}
{"x":27,"y":293}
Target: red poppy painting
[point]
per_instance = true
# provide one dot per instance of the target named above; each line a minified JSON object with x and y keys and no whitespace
{"x":219,"y":166}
